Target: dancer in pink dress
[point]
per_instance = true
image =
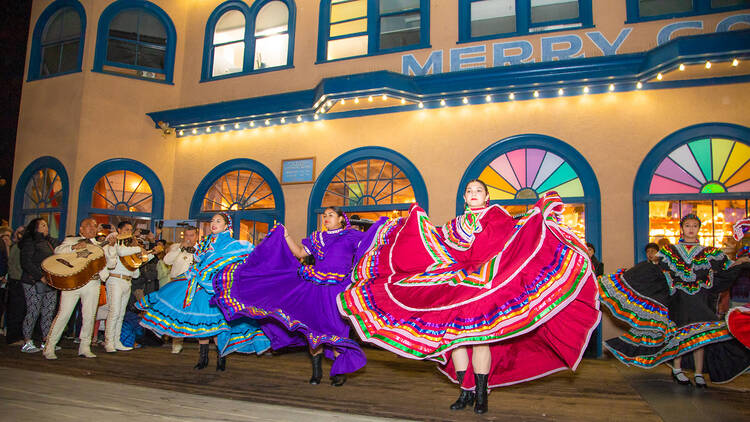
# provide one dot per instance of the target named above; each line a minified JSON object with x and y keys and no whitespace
{"x":494,"y":300}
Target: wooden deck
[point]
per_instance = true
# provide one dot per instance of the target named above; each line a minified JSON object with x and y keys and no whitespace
{"x":400,"y":388}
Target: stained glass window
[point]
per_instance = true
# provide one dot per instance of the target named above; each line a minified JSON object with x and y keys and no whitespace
{"x":704,"y":166}
{"x":43,"y":197}
{"x":239,"y":190}
{"x":122,"y":190}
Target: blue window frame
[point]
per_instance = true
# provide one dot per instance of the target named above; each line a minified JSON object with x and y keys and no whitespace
{"x":58,"y":40}
{"x":121,"y":189}
{"x":136,"y":39}
{"x":245,"y":189}
{"x":702,"y":169}
{"x":356,"y":28}
{"x":554,"y":165}
{"x":240,"y":40}
{"x":487,"y":19}
{"x":367,"y":182}
{"x":42,"y":191}
{"x":648,"y":10}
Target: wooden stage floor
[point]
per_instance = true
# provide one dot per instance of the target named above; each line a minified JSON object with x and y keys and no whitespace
{"x":400,"y":388}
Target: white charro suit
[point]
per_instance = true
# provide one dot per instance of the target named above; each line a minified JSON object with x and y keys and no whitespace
{"x":88,"y":294}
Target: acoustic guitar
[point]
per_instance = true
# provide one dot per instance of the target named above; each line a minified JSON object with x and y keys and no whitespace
{"x":134,"y":261}
{"x":70,"y":271}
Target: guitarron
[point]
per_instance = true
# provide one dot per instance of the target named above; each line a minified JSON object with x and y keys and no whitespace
{"x":70,"y":271}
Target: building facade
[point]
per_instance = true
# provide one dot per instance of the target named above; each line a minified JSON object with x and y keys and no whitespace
{"x":635,"y":111}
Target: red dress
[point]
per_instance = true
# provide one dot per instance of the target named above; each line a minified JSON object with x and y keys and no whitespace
{"x":525,"y":287}
{"x":738,"y":321}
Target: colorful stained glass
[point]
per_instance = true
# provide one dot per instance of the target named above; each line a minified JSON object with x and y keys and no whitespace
{"x":712,"y":165}
{"x":529,"y":172}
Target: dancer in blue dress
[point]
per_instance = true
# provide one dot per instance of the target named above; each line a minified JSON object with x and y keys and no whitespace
{"x":182,"y":308}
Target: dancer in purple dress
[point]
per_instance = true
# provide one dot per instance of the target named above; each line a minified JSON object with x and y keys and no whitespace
{"x":298,"y":302}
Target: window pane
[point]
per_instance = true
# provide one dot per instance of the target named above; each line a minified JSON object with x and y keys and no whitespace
{"x":342,"y":10}
{"x":239,"y":190}
{"x":271,"y":51}
{"x":253,"y":231}
{"x":726,"y":213}
{"x":272,"y":19}
{"x":715,"y":4}
{"x":122,"y":190}
{"x":52,"y":219}
{"x":121,"y":51}
{"x":228,"y":58}
{"x":347,"y":47}
{"x":663,"y":7}
{"x":369,"y":182}
{"x":399,"y":30}
{"x":390,"y":6}
{"x":553,"y":10}
{"x":51,"y":59}
{"x":69,"y":58}
{"x":44,"y":190}
{"x":151,"y":29}
{"x":574,"y":216}
{"x":489,"y":17}
{"x":230,"y":27}
{"x":125,"y":25}
{"x":71,"y":26}
{"x":351,"y":27}
{"x":663,"y":221}
{"x":151,"y":57}
{"x":362,"y":220}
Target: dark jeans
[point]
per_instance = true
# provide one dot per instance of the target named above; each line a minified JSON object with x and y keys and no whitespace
{"x":15,"y":311}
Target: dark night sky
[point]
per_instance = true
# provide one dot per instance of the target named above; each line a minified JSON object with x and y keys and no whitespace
{"x":14,"y":30}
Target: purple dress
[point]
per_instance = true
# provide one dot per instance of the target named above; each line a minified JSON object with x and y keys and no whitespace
{"x":297,"y":302}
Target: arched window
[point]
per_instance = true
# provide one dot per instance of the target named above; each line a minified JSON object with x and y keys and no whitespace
{"x":646,"y":10}
{"x":702,"y":170}
{"x":42,"y":191}
{"x":248,"y":191}
{"x":241,"y":40}
{"x":136,"y":38}
{"x":352,"y":28}
{"x":367,"y":183}
{"x":483,"y":19}
{"x":57,"y":41}
{"x":121,"y":190}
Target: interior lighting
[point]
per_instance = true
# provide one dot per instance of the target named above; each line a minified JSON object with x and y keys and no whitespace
{"x":442,"y":102}
{"x":659,"y":76}
{"x":421,"y":104}
{"x":639,"y":85}
{"x":735,"y":62}
{"x":356,"y":100}
{"x":299,"y":118}
{"x":488,"y":98}
{"x":682,"y":67}
{"x":369,"y":98}
{"x":708,"y":64}
{"x":465,"y":100}
{"x":585,"y":90}
{"x":560,"y":91}
{"x":536,"y":94}
{"x":611,"y":87}
{"x":511,"y":96}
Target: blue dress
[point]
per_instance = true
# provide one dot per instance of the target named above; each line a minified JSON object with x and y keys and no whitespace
{"x":182,"y":309}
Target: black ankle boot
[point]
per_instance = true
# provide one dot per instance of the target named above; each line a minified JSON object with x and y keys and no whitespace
{"x":221,"y":361}
{"x":317,"y":368}
{"x":481,"y":404}
{"x":466,"y":398}
{"x":338,"y":380}
{"x":202,"y":357}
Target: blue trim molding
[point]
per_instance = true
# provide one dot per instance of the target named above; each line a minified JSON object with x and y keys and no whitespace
{"x":591,"y":198}
{"x":251,"y":14}
{"x":35,"y":57}
{"x":102,"y":37}
{"x":373,"y":31}
{"x":641,"y":196}
{"x":314,"y":206}
{"x":268,"y":216}
{"x":627,"y":72}
{"x":524,"y":26}
{"x":86,"y":190}
{"x":41,"y":163}
{"x":700,"y":7}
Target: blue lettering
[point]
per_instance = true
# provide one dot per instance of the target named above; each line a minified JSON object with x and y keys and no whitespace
{"x":458,"y":60}
{"x":549,"y":53}
{"x":603,"y":44}
{"x":665,"y":34}
{"x":502,"y":59}
{"x":433,"y":64}
{"x":726,"y":24}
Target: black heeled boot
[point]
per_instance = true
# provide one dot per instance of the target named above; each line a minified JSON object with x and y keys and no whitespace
{"x":221,"y":361}
{"x":202,"y":357}
{"x":466,"y":398}
{"x":481,"y":404}
{"x":317,"y":368}
{"x":338,"y":380}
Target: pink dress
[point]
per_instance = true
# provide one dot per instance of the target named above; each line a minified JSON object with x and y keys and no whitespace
{"x":525,"y":287}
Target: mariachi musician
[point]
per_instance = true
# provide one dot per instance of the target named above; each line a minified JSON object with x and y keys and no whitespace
{"x":179,"y":257}
{"x":88,"y":293}
{"x":118,"y":285}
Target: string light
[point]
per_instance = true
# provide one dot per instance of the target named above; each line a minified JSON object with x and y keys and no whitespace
{"x":682,"y":67}
{"x":511,"y":96}
{"x":639,"y":85}
{"x":195,"y":131}
{"x":236,"y":125}
{"x":560,"y":91}
{"x":182,"y":132}
{"x":252,"y":124}
{"x":585,"y":90}
{"x":299,"y":118}
{"x":315,"y":116}
{"x":222,"y":127}
{"x":268,"y":122}
{"x":708,"y":64}
{"x":421,"y":105}
{"x":369,"y":98}
{"x":208,"y":129}
{"x":488,"y":98}
{"x":329,"y":103}
{"x":536,"y":94}
{"x":403,"y":101}
{"x":342,"y":102}
{"x":465,"y":100}
{"x":611,"y":87}
{"x":384,"y":97}
{"x":735,"y":62}
{"x":283,"y":120}
{"x":442,"y":102}
{"x":356,"y":100}
{"x":659,"y":76}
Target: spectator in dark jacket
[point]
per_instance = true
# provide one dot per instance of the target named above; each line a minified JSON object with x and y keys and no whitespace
{"x":16,"y":304}
{"x":597,"y":266}
{"x":36,"y":245}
